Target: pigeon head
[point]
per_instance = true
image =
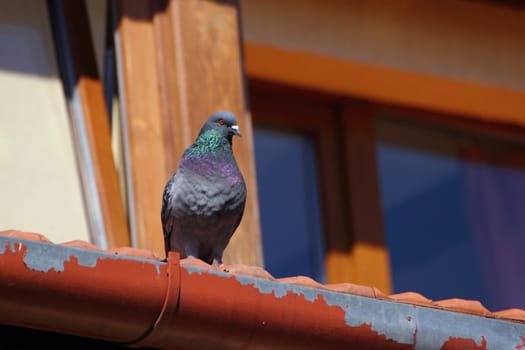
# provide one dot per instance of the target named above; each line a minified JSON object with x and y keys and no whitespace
{"x":223,"y":122}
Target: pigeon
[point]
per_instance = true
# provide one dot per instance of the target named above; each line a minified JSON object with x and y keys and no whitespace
{"x":203,"y":202}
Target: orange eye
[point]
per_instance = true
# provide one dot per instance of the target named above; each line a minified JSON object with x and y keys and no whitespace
{"x":221,"y":121}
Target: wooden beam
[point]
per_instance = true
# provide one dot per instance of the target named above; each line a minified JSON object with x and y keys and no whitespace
{"x":182,"y":62}
{"x":174,"y":113}
{"x":142,"y":123}
{"x":385,"y":85}
{"x":209,"y":77}
{"x":90,"y":123}
{"x":368,"y":253}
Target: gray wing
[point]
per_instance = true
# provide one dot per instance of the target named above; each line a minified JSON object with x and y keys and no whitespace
{"x":166,"y":213}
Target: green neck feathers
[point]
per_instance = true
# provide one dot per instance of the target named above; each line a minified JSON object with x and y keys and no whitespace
{"x":210,"y":141}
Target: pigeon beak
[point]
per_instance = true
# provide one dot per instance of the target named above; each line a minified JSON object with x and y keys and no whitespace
{"x":236,"y":131}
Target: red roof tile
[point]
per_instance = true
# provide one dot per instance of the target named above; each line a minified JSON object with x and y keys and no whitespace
{"x":81,"y":244}
{"x":511,"y":314}
{"x":302,"y":281}
{"x":245,"y":270}
{"x":139,"y":253}
{"x":31,"y":236}
{"x":412,"y":298}
{"x":461,"y":305}
{"x":356,"y":289}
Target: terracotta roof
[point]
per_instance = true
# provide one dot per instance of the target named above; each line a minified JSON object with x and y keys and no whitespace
{"x":130,"y":296}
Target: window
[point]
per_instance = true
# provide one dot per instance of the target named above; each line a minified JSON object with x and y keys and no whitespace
{"x":452,"y":203}
{"x":328,"y":171}
{"x":289,"y":202}
{"x":431,"y":203}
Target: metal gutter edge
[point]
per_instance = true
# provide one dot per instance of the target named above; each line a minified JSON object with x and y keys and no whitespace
{"x":144,"y":302}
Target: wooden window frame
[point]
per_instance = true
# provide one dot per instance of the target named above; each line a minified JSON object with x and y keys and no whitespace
{"x":345,"y":145}
{"x":483,"y":103}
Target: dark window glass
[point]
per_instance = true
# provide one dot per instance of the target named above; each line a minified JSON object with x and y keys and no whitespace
{"x":289,"y":204}
{"x":453,"y":208}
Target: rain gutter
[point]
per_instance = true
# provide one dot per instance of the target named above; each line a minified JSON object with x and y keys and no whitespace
{"x":141,"y":302}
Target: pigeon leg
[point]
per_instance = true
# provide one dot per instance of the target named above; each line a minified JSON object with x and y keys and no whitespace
{"x":217,"y":254}
{"x":191,"y":250}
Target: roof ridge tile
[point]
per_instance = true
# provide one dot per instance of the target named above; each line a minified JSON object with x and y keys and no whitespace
{"x":511,"y":314}
{"x":466,"y":306}
{"x":412,"y":298}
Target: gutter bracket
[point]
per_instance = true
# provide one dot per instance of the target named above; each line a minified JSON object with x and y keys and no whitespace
{"x":170,"y":306}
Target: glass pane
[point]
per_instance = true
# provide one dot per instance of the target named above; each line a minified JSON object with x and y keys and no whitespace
{"x":453,"y":206}
{"x":289,"y":204}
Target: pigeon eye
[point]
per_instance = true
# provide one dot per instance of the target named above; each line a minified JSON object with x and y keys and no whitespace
{"x":222,"y":122}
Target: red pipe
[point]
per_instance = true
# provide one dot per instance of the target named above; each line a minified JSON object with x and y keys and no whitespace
{"x":147,"y":303}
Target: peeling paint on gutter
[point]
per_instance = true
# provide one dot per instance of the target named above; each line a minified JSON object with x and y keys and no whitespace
{"x":46,"y":257}
{"x":279,"y":289}
{"x":420,"y":327}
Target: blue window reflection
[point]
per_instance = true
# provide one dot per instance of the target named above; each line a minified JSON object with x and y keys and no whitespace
{"x":289,"y":204}
{"x":453,"y":215}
